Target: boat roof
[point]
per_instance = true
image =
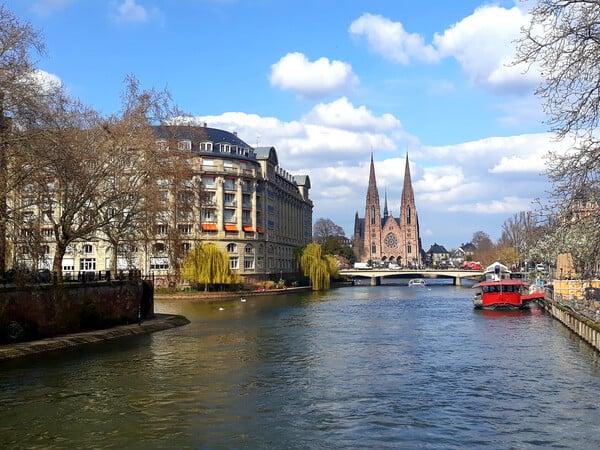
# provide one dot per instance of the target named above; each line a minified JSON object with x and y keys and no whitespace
{"x":504,"y":282}
{"x":492,"y":267}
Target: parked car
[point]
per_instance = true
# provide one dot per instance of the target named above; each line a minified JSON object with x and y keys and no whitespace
{"x":540,"y":268}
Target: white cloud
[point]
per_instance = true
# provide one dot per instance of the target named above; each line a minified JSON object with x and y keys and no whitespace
{"x":130,"y":11}
{"x":482,"y":43}
{"x":45,"y":80}
{"x":506,"y":206}
{"x":316,"y":79}
{"x":391,"y":40}
{"x":342,"y":114}
{"x":45,"y":7}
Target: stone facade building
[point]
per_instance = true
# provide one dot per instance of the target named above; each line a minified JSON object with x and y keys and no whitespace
{"x":386,"y":239}
{"x":226,"y":192}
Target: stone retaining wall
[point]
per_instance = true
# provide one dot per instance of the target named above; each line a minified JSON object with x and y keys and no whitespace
{"x":585,"y":328}
{"x":35,"y":311}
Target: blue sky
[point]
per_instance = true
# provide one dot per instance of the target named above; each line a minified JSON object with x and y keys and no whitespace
{"x":327,"y":82}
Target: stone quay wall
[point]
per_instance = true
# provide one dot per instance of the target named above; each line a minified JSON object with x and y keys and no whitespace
{"x":586,"y":328}
{"x":37,"y":311}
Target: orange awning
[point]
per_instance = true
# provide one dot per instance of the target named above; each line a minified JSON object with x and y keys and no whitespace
{"x":229,"y":227}
{"x":209,"y":227}
{"x":259,"y":229}
{"x":248,"y":228}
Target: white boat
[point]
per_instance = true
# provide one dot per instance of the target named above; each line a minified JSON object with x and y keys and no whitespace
{"x":417,"y":282}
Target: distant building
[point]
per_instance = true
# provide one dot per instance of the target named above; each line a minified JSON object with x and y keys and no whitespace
{"x":388,"y":239}
{"x":437,"y":255}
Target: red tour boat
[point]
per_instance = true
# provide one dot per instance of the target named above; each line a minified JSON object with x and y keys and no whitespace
{"x":499,"y":291}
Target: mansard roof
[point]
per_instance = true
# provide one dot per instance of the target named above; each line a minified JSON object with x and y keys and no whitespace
{"x":268,"y":153}
{"x":302,"y":180}
{"x":198,"y":134}
{"x":436,"y":248}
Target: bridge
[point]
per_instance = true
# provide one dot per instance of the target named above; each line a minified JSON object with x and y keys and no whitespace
{"x":375,"y":275}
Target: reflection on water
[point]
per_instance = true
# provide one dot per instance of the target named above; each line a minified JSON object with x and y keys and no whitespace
{"x":360,"y":367}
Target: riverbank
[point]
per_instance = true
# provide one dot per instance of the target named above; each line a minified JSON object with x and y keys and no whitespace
{"x":211,"y":297}
{"x":584,"y":327}
{"x":24,"y":349}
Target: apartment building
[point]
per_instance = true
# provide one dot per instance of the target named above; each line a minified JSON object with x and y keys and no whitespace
{"x":230,"y":194}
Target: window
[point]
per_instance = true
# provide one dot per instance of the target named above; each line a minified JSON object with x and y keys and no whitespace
{"x":184,"y":145}
{"x":87,"y":264}
{"x":162,"y":145}
{"x":372,"y":215}
{"x":159,"y":247}
{"x":408,"y":215}
{"x":68,"y":264}
{"x":159,"y":263}
{"x":205,"y":147}
{"x":229,"y":199}
{"x":224,"y":148}
{"x":249,"y":248}
{"x":208,"y":215}
{"x":231,"y":247}
{"x":248,"y":263}
{"x":185,"y":229}
{"x":234,"y":262}
{"x":186,"y":247}
{"x":208,"y":182}
{"x":162,"y":229}
{"x":46,"y":249}
{"x":87,"y":249}
{"x":229,"y":215}
{"x":208,"y":198}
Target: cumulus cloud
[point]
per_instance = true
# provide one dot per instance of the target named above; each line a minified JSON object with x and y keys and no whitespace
{"x":131,"y":12}
{"x":391,"y":40}
{"x":312,"y":79}
{"x":343,"y":114}
{"x":488,"y":178}
{"x":482,"y":43}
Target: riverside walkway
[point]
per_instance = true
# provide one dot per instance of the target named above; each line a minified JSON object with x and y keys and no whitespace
{"x":30,"y":348}
{"x":376,"y":275}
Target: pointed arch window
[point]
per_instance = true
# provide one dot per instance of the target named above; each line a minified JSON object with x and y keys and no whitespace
{"x":409,"y":249}
{"x":372,"y":215}
{"x":408,"y":215}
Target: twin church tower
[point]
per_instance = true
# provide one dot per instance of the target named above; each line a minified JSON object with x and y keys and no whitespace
{"x":388,"y":239}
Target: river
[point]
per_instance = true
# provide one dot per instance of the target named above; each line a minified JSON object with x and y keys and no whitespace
{"x":358,"y":367}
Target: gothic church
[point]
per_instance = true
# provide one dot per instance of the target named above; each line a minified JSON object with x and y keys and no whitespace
{"x":388,"y":239}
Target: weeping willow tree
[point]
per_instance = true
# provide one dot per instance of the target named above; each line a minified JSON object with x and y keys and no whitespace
{"x":206,"y":264}
{"x":319,"y":268}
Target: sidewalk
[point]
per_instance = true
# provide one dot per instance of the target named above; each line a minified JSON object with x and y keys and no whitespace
{"x":160,"y":322}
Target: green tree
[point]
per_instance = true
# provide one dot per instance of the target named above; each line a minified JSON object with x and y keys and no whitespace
{"x":206,"y":264}
{"x":318,"y":267}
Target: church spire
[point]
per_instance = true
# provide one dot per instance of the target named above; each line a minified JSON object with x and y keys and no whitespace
{"x":385,"y":208}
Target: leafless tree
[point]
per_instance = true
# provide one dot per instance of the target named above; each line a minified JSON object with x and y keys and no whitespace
{"x":19,"y":98}
{"x":563,"y":42}
{"x":324,"y":228}
{"x":135,"y":167}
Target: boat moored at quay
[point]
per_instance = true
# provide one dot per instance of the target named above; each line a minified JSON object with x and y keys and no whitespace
{"x":500,"y":291}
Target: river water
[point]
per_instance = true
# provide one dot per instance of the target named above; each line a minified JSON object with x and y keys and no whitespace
{"x":358,"y":367}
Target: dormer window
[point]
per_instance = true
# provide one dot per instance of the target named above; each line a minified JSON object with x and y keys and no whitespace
{"x":224,"y":148}
{"x":184,"y":146}
{"x":162,"y":145}
{"x":205,"y":146}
